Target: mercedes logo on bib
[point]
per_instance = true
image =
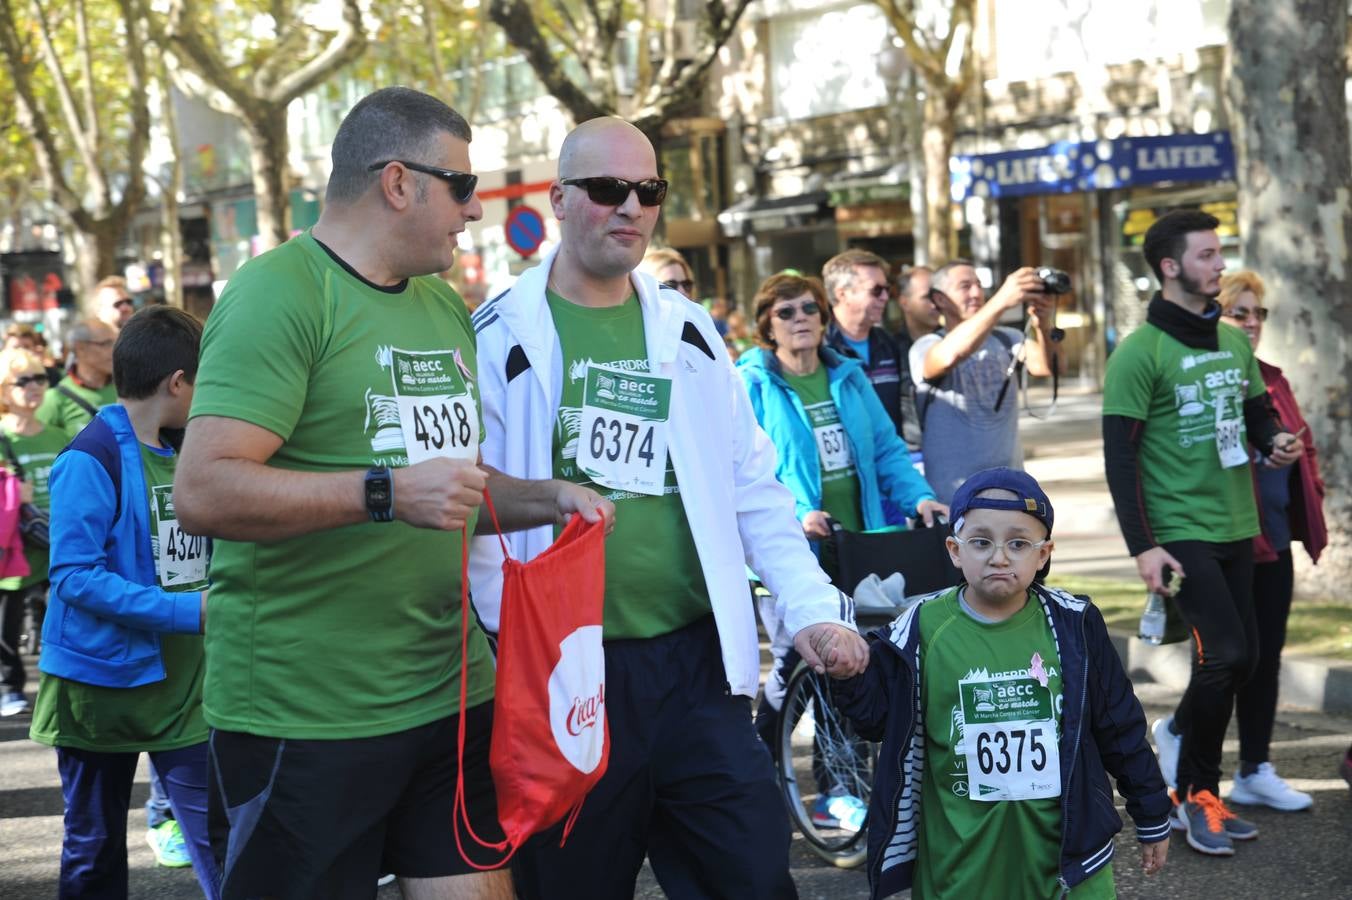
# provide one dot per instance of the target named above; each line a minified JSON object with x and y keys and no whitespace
{"x":577,"y":699}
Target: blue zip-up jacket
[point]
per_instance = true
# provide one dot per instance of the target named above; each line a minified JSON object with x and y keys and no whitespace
{"x":106,"y":609}
{"x":881,"y":460}
{"x":1102,"y":730}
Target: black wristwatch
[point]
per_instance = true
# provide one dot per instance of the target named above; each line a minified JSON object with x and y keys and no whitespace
{"x":380,"y":494}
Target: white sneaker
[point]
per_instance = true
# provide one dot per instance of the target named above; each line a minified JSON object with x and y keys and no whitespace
{"x":1166,"y":749}
{"x":1266,"y":788}
{"x":13,"y":703}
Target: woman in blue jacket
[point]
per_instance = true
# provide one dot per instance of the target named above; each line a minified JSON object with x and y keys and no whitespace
{"x":838,"y":450}
{"x":839,"y":455}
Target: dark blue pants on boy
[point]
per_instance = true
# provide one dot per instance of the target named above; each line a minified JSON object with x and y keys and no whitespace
{"x":689,"y":783}
{"x":97,"y":791}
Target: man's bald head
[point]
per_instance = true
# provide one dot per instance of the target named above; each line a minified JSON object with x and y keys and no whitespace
{"x":591,"y":148}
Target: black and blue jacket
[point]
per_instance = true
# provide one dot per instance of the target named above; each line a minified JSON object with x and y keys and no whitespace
{"x":1102,"y":731}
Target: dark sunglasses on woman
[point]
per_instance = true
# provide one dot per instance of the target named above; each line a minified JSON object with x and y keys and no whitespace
{"x":462,"y":183}
{"x":606,"y":191}
{"x":788,"y":312}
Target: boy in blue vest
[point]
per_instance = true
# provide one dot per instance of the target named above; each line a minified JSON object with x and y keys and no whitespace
{"x":1002,"y":707}
{"x":122,"y":659}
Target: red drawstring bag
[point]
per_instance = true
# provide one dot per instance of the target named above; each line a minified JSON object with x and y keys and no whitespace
{"x":551,"y":742}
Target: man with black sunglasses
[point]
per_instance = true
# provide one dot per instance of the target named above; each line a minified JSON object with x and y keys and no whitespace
{"x":333,"y":452}
{"x":593,"y":372}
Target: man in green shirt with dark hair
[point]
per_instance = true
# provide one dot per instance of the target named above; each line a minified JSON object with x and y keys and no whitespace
{"x":333,"y":452}
{"x":1182,"y":401}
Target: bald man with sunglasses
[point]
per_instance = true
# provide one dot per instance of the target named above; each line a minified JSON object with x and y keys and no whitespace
{"x":592,"y":372}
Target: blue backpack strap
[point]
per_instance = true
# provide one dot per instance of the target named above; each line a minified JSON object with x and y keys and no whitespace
{"x":97,"y":440}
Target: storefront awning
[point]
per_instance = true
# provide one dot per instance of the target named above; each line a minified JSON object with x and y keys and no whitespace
{"x":773,"y":214}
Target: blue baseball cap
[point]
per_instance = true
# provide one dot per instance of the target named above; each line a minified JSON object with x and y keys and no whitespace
{"x":1031,"y":498}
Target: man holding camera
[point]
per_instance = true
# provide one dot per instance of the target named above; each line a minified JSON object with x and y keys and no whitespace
{"x":969,"y":422}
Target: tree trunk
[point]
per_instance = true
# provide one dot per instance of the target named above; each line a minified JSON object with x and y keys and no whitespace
{"x":265,"y":124}
{"x":96,"y":256}
{"x":937,"y":142}
{"x":1295,"y":187}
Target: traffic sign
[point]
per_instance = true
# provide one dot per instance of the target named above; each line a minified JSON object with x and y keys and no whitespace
{"x":525,"y":230}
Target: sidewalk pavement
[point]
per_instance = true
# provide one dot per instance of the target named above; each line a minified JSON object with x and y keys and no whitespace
{"x":1064,"y":452}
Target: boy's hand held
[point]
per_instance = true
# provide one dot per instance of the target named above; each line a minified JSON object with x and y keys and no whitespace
{"x":832,"y":649}
{"x":1153,"y":856}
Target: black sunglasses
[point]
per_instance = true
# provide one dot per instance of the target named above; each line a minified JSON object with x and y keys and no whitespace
{"x":25,"y":380}
{"x":606,"y":191}
{"x":462,"y":184}
{"x":684,"y":285}
{"x":787,"y":313}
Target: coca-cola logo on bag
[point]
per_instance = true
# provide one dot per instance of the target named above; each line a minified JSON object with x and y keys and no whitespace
{"x":577,"y":699}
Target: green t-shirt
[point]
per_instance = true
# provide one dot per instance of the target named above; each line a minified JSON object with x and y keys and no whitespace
{"x":65,"y":414}
{"x":36,"y":453}
{"x":354,"y":631}
{"x":1181,"y":393}
{"x":165,"y":715}
{"x":991,"y":696}
{"x":840,"y":479}
{"x":654,"y":583}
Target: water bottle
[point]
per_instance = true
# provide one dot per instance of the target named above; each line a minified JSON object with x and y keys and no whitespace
{"x":1151,"y":630}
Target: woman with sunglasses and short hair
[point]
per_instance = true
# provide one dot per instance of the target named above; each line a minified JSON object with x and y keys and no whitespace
{"x":839,"y":455}
{"x":838,"y":451}
{"x":23,"y":383}
{"x":1290,"y":506}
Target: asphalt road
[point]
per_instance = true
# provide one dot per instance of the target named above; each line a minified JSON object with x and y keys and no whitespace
{"x":1298,"y":855}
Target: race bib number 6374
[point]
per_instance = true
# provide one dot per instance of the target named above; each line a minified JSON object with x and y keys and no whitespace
{"x":623,"y":440}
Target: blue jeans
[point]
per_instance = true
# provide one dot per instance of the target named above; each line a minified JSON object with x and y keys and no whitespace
{"x":97,"y":791}
{"x":158,"y":808}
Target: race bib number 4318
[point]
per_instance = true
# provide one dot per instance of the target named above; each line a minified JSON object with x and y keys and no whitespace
{"x":437,"y":413}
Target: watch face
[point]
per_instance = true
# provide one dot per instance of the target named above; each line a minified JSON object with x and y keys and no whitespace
{"x":378,"y":493}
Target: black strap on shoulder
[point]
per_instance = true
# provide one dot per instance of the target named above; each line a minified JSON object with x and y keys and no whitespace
{"x":80,"y":401}
{"x":692,"y":337}
{"x":97,"y":440}
{"x":517,"y":362}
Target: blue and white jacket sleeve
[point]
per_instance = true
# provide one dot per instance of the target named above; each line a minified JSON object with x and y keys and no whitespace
{"x":83,"y":510}
{"x":1118,"y":724}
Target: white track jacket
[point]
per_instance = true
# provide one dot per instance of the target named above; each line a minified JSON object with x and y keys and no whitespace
{"x":738,"y":513}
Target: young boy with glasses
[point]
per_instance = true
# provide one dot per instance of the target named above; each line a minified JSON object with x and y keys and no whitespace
{"x":1002,"y":707}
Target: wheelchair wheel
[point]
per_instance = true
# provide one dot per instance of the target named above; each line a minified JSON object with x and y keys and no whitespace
{"x":817,"y":751}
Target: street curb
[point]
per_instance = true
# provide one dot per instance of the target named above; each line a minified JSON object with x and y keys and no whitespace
{"x":1307,"y":682}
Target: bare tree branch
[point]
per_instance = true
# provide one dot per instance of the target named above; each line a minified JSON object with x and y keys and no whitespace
{"x":347,"y":44}
{"x":517,"y":19}
{"x":34,"y":121}
{"x":65,"y":94}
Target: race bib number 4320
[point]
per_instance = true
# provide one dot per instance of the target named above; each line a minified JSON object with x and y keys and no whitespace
{"x":623,"y":440}
{"x":437,"y":412}
{"x":1009,"y":739}
{"x":182,"y":558}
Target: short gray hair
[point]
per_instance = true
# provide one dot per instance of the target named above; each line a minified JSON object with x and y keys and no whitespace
{"x":940,"y":277}
{"x":392,"y":123}
{"x":83,"y":331}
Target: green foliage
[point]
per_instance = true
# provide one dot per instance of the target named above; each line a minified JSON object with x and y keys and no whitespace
{"x":106,"y":93}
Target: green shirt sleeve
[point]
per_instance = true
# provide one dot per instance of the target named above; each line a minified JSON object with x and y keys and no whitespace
{"x":260,"y":342}
{"x":1128,"y":382}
